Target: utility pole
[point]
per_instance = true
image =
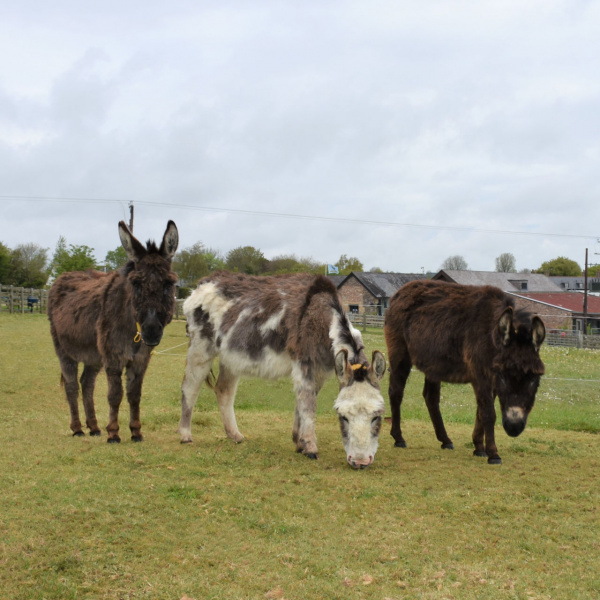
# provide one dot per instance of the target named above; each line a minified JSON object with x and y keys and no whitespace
{"x":131,"y":217}
{"x":585,"y":293}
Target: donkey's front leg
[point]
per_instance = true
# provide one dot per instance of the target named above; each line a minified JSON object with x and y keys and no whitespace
{"x":135,"y":378}
{"x":115,"y":395}
{"x":483,"y":433}
{"x":306,"y":408}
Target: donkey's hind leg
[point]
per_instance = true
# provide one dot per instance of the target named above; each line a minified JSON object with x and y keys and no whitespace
{"x":225,"y":391}
{"x":431,"y":393}
{"x":68,"y":368}
{"x":88,"y":381}
{"x":197,"y":369}
{"x":399,"y":372}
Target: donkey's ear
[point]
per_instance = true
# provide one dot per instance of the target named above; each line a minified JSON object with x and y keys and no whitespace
{"x":505,"y":324}
{"x":342,"y":369}
{"x":135,"y":250}
{"x":538,"y":332}
{"x":170,"y":241}
{"x":378,"y":364}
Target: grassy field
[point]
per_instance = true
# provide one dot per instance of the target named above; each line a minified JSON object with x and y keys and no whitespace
{"x":81,"y":518}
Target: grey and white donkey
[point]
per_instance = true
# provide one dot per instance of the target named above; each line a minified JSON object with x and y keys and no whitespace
{"x":271,"y":327}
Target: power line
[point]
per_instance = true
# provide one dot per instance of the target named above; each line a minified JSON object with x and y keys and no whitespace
{"x":258,"y":213}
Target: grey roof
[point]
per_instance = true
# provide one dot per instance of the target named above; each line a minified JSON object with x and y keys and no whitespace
{"x":383,"y":285}
{"x":572,"y":283}
{"x":508,"y":282}
{"x":337,"y":279}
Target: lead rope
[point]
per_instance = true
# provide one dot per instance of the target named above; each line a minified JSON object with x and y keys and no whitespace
{"x":138,"y":336}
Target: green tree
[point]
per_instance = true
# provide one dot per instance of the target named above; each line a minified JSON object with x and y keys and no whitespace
{"x":246,"y":259}
{"x":506,"y":263}
{"x":347,"y":264}
{"x":560,"y":266}
{"x":455,"y":263}
{"x":73,"y":258}
{"x":28,"y":266}
{"x":115,"y":259}
{"x":190,"y":264}
{"x":4,"y":263}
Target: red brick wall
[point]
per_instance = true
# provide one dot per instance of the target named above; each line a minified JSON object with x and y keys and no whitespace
{"x":553,"y":318}
{"x":352,"y":292}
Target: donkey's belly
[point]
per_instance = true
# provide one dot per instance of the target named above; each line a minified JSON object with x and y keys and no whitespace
{"x":269,"y":365}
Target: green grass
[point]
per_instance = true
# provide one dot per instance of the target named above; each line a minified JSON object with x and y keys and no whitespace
{"x":80,"y":518}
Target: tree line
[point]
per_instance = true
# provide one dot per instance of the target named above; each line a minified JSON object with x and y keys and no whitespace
{"x":506,"y":263}
{"x":30,"y":265}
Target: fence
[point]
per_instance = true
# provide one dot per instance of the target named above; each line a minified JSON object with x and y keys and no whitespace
{"x":21,"y":300}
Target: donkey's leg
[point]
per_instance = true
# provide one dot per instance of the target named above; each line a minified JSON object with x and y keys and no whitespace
{"x":197,"y":369}
{"x":88,"y":381}
{"x":483,"y":433}
{"x":68,"y":368}
{"x":225,"y":391}
{"x":319,"y":381}
{"x":431,"y":393}
{"x":399,"y":372}
{"x":306,"y":410}
{"x":115,"y":395}
{"x":135,"y":377}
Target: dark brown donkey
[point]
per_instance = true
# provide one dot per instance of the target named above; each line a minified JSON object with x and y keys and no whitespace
{"x":112,"y":320}
{"x":465,"y":334}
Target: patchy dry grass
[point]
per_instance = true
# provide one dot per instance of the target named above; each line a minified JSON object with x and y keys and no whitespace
{"x":84,"y":519}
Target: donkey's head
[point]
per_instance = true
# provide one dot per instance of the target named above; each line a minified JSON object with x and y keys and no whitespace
{"x":360,"y":407}
{"x":518,"y":367}
{"x":152,"y":281}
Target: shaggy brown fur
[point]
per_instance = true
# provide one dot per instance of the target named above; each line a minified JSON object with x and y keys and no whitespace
{"x":93,"y":319}
{"x":464,"y":334}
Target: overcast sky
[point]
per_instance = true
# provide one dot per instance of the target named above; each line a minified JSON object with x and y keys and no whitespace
{"x":449,"y":127}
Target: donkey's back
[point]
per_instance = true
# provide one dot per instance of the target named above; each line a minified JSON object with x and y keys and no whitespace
{"x":74,"y":307}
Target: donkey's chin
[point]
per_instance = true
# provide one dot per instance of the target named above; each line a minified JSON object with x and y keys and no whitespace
{"x":152,"y":342}
{"x":514,"y":428}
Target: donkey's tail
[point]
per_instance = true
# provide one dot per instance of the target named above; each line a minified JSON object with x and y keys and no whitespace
{"x":211,"y":380}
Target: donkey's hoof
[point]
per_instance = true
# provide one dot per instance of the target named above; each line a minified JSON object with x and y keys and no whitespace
{"x":137,"y":438}
{"x":114,"y":440}
{"x":186,"y":441}
{"x":448,"y":446}
{"x":312,"y":455}
{"x":96,"y":433}
{"x":494,"y":460}
{"x":401,"y":444}
{"x":480,"y":453}
{"x":79,"y":434}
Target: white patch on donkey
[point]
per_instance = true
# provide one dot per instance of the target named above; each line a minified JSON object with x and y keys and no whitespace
{"x":247,"y":323}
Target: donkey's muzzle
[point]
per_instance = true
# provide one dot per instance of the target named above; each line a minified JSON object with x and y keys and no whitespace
{"x":152,"y":331}
{"x":514,"y":421}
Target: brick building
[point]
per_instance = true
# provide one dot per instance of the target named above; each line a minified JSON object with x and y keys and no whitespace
{"x":371,"y":292}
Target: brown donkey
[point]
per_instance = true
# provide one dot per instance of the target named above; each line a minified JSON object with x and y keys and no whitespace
{"x":112,"y":320}
{"x":465,"y":334}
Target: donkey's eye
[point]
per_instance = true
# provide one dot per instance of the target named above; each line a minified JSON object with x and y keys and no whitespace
{"x":375,"y":420}
{"x":168,"y":290}
{"x":344,"y":419}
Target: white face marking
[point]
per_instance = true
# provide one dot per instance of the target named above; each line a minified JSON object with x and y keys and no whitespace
{"x":360,"y":407}
{"x":515,"y":413}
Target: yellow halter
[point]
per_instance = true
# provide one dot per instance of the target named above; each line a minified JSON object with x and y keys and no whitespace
{"x":138,"y":336}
